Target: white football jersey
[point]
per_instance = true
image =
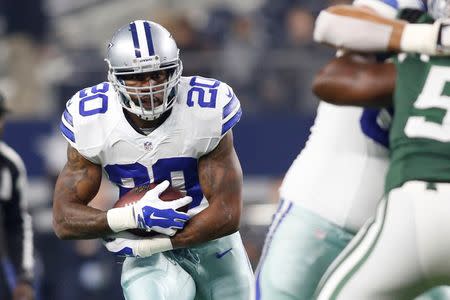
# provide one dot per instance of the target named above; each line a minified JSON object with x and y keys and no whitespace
{"x":205,"y":110}
{"x":340,"y":173}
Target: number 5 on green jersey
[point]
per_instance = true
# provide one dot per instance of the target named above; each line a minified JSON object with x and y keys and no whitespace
{"x":435,"y":94}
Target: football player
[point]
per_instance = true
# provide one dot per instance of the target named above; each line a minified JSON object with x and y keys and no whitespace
{"x":329,"y":191}
{"x":150,"y":124}
{"x":334,"y":185}
{"x":400,"y":254}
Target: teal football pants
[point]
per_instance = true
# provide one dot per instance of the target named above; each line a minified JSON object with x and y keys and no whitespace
{"x":218,"y":269}
{"x":299,"y":247}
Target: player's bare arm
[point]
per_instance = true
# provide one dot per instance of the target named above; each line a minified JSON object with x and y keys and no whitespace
{"x":77,"y":184}
{"x":220,"y":176}
{"x":335,"y":26}
{"x":354,"y":79}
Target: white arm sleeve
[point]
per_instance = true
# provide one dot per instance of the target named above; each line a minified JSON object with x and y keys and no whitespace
{"x":339,"y":31}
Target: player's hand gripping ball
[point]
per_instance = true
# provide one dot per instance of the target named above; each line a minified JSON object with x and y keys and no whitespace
{"x":137,"y":193}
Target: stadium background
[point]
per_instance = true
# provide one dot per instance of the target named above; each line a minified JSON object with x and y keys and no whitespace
{"x":50,"y":49}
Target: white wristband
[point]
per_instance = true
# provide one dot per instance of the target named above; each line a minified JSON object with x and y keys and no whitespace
{"x":419,"y":38}
{"x":157,"y":244}
{"x":121,"y":218}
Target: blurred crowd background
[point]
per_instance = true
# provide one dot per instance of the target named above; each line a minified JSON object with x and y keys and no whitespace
{"x":50,"y":49}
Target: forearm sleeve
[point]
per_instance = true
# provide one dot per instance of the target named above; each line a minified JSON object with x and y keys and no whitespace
{"x":352,"y":32}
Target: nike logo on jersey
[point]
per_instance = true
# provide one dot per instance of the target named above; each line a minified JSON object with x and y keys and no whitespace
{"x":220,"y":255}
{"x":229,"y":94}
{"x":154,"y":217}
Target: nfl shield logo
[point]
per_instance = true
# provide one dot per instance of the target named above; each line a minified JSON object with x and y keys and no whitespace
{"x":148,"y":146}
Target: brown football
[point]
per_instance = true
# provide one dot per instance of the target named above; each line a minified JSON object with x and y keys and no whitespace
{"x":137,"y":193}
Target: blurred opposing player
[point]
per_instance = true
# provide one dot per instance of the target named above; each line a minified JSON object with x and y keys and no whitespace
{"x":334,"y":185}
{"x":401,"y":254}
{"x":329,"y":191}
{"x":16,"y":236}
{"x":150,"y":124}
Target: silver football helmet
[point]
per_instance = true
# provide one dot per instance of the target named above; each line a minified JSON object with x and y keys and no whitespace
{"x":142,"y":47}
{"x":439,"y":8}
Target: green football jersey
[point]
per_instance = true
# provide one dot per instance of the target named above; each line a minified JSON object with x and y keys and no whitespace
{"x":420,"y":133}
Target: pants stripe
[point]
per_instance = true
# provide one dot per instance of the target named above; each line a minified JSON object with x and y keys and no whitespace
{"x":355,"y":255}
{"x":278,"y":218}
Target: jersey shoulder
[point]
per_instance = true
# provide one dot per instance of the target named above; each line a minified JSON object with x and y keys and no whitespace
{"x":90,"y":116}
{"x":210,"y":103}
{"x":390,"y":8}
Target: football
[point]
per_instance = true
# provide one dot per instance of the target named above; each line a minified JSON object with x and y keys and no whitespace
{"x":137,"y":193}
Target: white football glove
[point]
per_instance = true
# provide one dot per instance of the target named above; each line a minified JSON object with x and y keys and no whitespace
{"x":129,"y":245}
{"x":150,"y":213}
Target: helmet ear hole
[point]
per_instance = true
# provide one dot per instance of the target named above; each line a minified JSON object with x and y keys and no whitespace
{"x":171,"y":71}
{"x":130,"y":55}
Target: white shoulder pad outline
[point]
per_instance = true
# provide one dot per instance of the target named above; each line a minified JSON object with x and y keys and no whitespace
{"x":389,"y":8}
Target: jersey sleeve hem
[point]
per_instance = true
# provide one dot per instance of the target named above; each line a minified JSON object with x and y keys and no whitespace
{"x":232,"y":121}
{"x":231,"y":114}
{"x":67,"y":130}
{"x":66,"y":126}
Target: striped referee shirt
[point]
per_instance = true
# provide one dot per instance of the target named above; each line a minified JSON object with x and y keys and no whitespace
{"x":16,"y":236}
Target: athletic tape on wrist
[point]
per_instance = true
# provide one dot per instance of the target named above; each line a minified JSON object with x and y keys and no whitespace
{"x":419,"y":38}
{"x":339,"y":31}
{"x":154,"y":245}
{"x":121,"y":218}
